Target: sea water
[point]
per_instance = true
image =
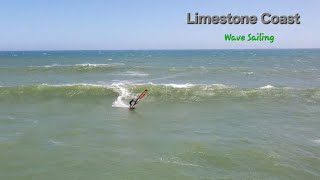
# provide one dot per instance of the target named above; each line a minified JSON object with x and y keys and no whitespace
{"x":208,"y":114}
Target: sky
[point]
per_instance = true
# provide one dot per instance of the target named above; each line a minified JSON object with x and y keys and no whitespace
{"x":148,"y":24}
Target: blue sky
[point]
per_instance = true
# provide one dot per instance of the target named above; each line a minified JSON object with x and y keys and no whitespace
{"x":146,"y":24}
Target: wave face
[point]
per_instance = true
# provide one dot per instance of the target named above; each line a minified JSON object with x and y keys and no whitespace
{"x":55,"y":91}
{"x":158,"y":92}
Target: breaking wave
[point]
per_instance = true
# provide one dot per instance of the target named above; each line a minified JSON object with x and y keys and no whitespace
{"x":157,"y":92}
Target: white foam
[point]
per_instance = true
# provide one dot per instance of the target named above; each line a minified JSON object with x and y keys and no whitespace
{"x":92,"y":65}
{"x":123,"y":93}
{"x":49,"y":66}
{"x":134,"y":73}
{"x":220,"y":85}
{"x":84,"y":65}
{"x":55,"y":142}
{"x":248,"y":73}
{"x":317,"y":141}
{"x":187,"y":85}
{"x":266,"y":87}
{"x":75,"y":84}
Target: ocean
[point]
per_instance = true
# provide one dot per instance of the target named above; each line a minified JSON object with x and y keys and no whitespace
{"x":208,"y":114}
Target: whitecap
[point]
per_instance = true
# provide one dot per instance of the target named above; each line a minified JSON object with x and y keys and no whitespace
{"x":93,"y":65}
{"x":248,"y":73}
{"x":81,"y":65}
{"x":55,"y":142}
{"x":123,"y":93}
{"x":266,"y":87}
{"x":75,"y":84}
{"x":317,"y":141}
{"x":134,"y":73}
{"x":187,"y":85}
{"x":220,"y":85}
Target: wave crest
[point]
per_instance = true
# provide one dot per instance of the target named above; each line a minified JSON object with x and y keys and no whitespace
{"x":158,"y":92}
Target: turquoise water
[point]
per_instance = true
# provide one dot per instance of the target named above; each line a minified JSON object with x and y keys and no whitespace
{"x":209,"y":114}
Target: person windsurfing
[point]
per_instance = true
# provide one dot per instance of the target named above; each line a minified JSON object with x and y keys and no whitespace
{"x":135,"y":100}
{"x":132,"y":102}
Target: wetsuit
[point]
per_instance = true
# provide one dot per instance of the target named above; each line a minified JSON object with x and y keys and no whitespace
{"x":131,"y":102}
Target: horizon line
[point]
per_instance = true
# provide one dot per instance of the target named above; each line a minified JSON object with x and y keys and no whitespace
{"x":155,"y":49}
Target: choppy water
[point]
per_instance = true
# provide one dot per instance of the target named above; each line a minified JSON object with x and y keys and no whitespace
{"x":209,"y":114}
